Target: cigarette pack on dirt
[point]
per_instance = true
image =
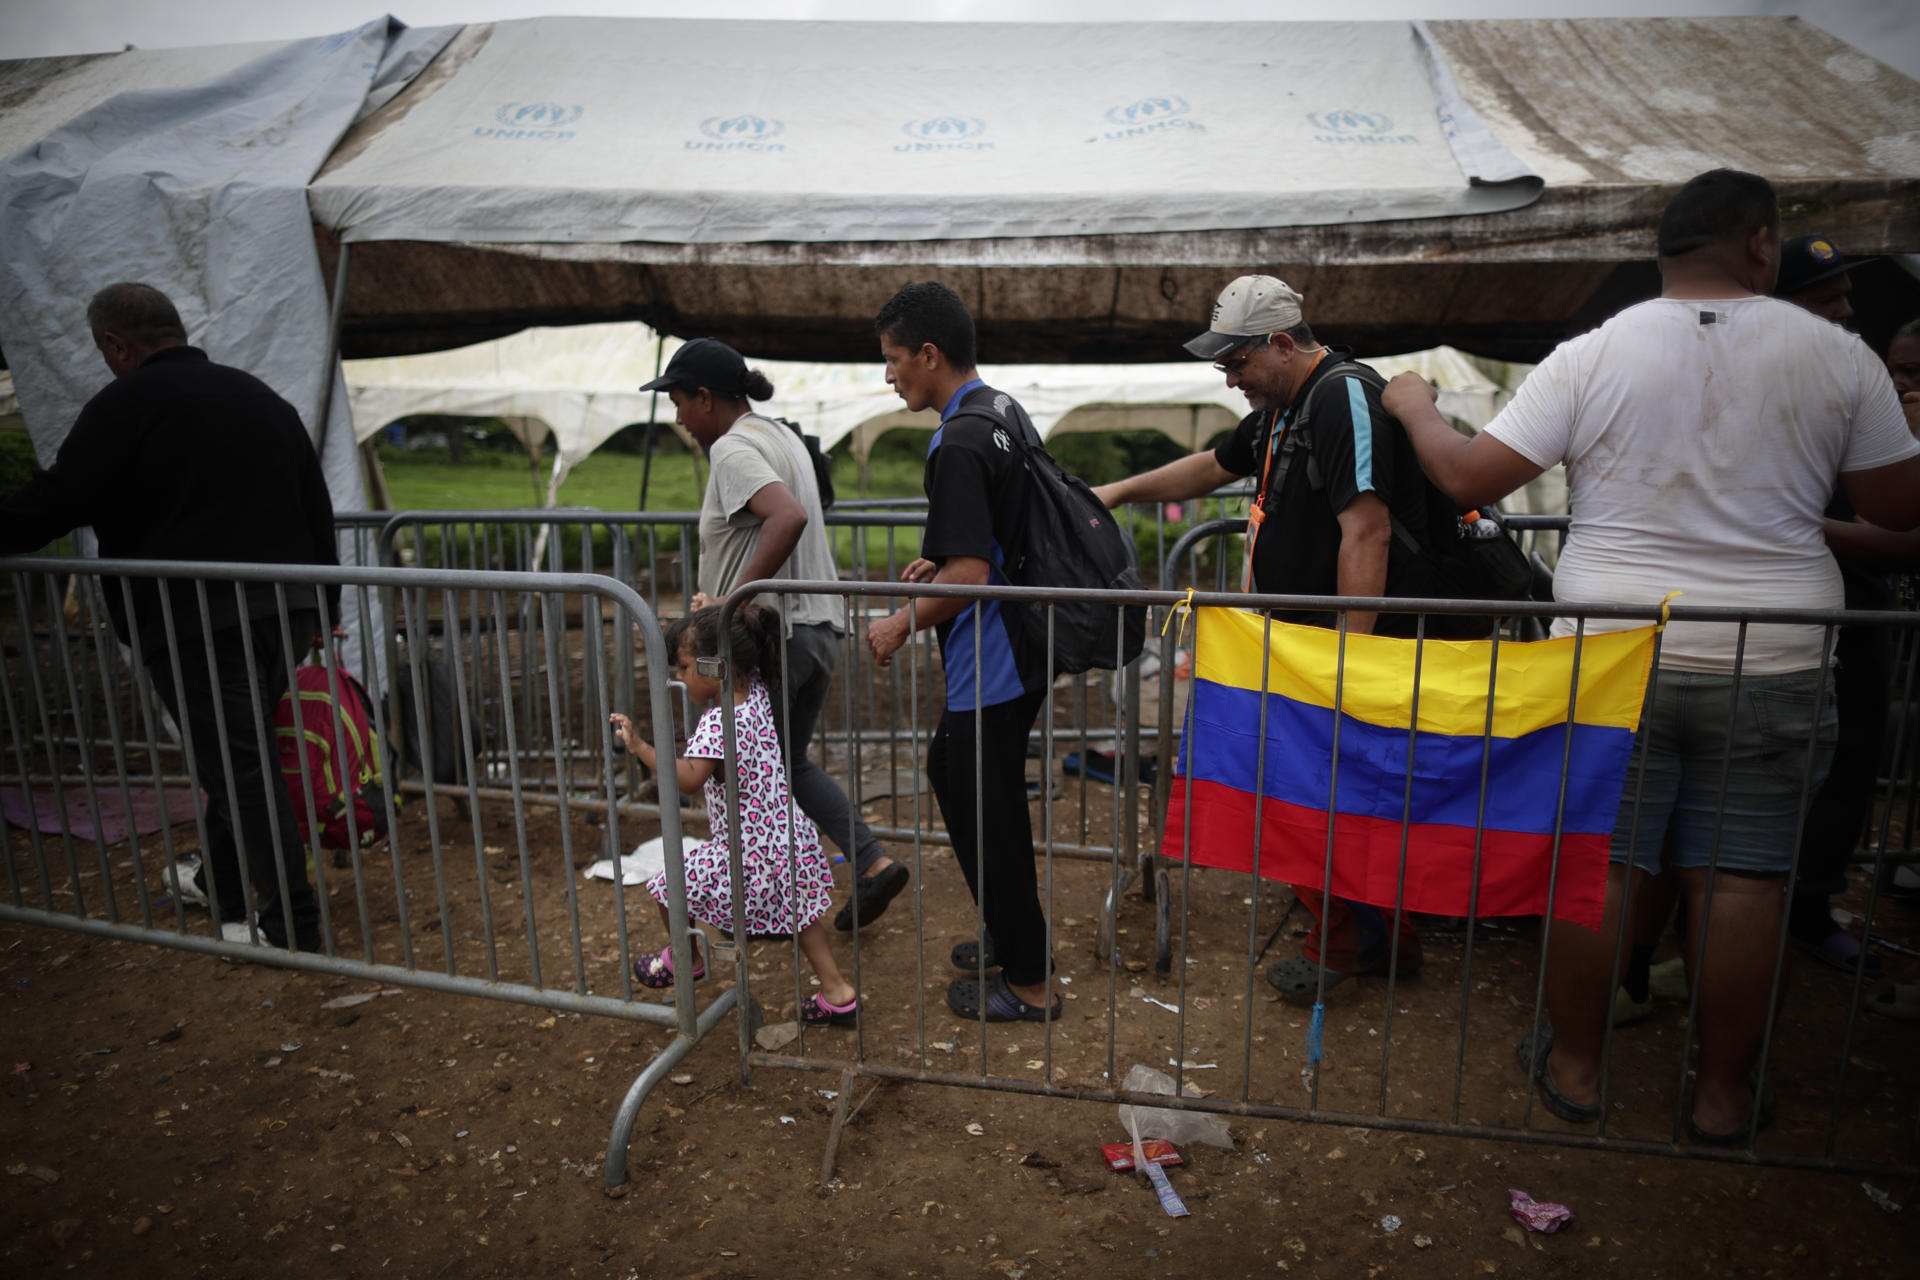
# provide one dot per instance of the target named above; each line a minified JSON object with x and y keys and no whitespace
{"x":1157,"y":1151}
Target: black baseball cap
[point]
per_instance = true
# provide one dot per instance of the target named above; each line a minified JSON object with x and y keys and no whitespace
{"x":704,"y":362}
{"x":1807,"y":260}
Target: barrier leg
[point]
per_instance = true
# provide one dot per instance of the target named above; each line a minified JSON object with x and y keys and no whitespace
{"x":656,"y":1071}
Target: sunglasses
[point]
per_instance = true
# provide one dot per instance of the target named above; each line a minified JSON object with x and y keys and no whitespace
{"x":1234,"y":366}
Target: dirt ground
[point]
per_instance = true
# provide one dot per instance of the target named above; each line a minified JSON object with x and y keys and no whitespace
{"x":172,"y":1114}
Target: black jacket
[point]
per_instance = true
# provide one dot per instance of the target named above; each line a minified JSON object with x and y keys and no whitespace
{"x":184,"y":459}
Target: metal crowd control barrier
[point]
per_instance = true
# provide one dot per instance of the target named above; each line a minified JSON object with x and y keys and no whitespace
{"x":83,"y":715}
{"x":861,"y":725}
{"x":501,"y":541}
{"x":1395,"y":1062}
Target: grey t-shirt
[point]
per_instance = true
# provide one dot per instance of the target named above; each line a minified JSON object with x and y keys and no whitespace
{"x":755,"y":453}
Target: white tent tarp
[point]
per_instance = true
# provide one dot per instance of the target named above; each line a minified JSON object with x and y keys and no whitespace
{"x":200,"y":191}
{"x":921,"y":131}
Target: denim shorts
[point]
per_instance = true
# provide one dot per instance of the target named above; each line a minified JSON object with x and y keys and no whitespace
{"x":1765,"y":777}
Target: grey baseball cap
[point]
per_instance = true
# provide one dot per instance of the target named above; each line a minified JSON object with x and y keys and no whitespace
{"x":1251,"y":307}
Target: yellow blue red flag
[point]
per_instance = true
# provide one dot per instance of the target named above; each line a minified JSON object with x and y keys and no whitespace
{"x":1272,"y":713}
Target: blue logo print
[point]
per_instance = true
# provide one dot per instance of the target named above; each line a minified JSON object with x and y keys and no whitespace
{"x":943,"y":127}
{"x":532,"y":122}
{"x":748,"y":128}
{"x":1146,"y":111}
{"x":944,"y":133}
{"x":536,"y":115}
{"x":1350,"y":122}
{"x":1161,"y":113}
{"x":1348,"y":126}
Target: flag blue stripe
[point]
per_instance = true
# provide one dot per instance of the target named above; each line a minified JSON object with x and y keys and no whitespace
{"x":1523,"y":773}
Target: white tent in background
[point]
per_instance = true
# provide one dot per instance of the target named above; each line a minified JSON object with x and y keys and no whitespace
{"x":580,"y":384}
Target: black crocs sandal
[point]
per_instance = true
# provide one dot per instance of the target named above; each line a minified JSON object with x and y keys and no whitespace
{"x":966,"y":956}
{"x":816,"y":1012}
{"x":1533,"y":1061}
{"x":963,"y":997}
{"x":870,"y":896}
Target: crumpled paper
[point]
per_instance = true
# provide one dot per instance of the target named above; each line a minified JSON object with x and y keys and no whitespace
{"x":1537,"y":1215}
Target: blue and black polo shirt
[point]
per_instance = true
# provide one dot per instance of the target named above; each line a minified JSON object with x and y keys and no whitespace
{"x":1356,"y":447}
{"x":978,"y":495}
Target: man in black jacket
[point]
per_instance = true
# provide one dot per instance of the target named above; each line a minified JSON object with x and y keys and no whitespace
{"x":180,"y":458}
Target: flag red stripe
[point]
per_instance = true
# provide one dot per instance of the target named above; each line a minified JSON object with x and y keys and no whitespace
{"x":1514,"y":865}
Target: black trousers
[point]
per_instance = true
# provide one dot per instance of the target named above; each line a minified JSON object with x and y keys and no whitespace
{"x":1838,"y":811}
{"x":257,"y":793}
{"x":991,"y":827}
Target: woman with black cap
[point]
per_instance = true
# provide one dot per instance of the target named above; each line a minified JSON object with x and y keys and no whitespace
{"x":761,"y":518}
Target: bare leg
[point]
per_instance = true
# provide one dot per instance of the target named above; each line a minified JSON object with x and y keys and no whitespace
{"x":835,"y":989}
{"x":1742,"y":936}
{"x":1581,"y":979}
{"x":693,"y":939}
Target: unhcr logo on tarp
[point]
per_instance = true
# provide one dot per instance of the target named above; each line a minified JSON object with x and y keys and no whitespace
{"x":1356,"y":127}
{"x":531,"y":122}
{"x":739,"y":133}
{"x":1144,"y":116}
{"x":944,"y":133}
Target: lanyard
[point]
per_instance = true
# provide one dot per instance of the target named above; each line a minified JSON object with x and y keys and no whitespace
{"x":1277,"y":431}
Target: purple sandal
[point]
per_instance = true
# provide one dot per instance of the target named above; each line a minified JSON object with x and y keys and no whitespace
{"x":816,"y":1012}
{"x":656,"y":970}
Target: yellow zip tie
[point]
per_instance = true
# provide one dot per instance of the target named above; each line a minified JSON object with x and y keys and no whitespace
{"x":1664,"y":610}
{"x":1184,"y":607}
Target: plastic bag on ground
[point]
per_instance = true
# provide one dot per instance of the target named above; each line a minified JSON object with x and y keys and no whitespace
{"x":1177,"y":1127}
{"x":637,"y":867}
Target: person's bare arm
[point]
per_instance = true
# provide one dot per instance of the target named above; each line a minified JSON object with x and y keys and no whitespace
{"x":1888,"y":496}
{"x":1469,"y":469}
{"x":885,"y":637}
{"x":782,"y":520}
{"x":1873,"y":546}
{"x":1366,"y":532}
{"x":1193,"y":476}
{"x":689,"y":773}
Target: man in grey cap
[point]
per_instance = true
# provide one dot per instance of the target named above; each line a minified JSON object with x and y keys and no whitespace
{"x":1329,"y":495}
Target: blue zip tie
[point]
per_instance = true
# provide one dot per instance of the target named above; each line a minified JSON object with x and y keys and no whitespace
{"x":1313,"y":1033}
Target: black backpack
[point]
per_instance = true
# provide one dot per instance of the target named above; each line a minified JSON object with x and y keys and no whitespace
{"x":1465,"y":555}
{"x":1071,"y":540}
{"x":822,"y":463}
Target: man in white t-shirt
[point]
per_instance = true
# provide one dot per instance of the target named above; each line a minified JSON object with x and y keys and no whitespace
{"x":761,"y":518}
{"x":1702,"y":433}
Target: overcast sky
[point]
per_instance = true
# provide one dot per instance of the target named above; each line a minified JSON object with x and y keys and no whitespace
{"x":1887,"y":29}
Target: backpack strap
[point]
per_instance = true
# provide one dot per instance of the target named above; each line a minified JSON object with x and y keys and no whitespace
{"x":1297,"y":439}
{"x":1345,"y":369}
{"x":1020,"y":427}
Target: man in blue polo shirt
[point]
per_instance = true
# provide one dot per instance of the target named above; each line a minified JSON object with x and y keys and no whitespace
{"x":978,"y":496}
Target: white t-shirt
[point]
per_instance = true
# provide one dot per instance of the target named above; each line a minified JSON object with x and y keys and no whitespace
{"x":1702,"y":442}
{"x":754,"y":453}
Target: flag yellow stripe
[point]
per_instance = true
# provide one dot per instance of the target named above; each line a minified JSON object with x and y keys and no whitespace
{"x":1378,"y":687}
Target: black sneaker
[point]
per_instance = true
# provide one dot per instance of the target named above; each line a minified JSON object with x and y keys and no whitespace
{"x":872,"y":893}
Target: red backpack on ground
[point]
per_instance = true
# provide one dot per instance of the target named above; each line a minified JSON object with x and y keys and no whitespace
{"x":337,"y":780}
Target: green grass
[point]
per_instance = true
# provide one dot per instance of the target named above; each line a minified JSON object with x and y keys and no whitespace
{"x":489,"y":480}
{"x":428,"y":480}
{"x":609,"y":480}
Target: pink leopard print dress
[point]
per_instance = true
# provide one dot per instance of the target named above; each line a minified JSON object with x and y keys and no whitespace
{"x":787,"y":889}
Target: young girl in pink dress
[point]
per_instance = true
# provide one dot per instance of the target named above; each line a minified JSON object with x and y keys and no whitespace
{"x":788,"y":880}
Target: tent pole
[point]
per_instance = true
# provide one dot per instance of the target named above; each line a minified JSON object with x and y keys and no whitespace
{"x":653,"y":414}
{"x":329,"y":370}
